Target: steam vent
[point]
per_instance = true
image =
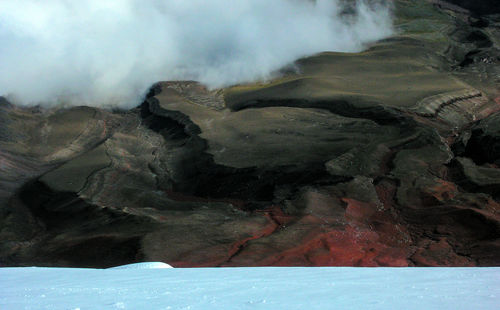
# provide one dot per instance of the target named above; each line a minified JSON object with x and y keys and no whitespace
{"x":389,"y":156}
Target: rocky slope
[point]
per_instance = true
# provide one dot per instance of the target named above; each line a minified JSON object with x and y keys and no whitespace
{"x":388,"y":157}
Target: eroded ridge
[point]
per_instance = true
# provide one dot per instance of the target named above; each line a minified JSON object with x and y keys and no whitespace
{"x":196,"y":93}
{"x":467,"y":100}
{"x":459,"y":107}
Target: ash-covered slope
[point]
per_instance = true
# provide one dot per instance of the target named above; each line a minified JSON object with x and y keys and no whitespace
{"x":386,"y":157}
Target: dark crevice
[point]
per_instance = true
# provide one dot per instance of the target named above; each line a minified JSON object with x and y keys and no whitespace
{"x":479,"y":22}
{"x":468,"y":58}
{"x":258,"y":186}
{"x":478,"y":7}
{"x":167,"y":127}
{"x":100,"y":252}
{"x":204,"y":178}
{"x":80,"y":234}
{"x":483,"y":148}
{"x":380,"y":115}
{"x":479,"y":39}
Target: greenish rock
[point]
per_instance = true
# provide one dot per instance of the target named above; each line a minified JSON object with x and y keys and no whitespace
{"x":73,"y":175}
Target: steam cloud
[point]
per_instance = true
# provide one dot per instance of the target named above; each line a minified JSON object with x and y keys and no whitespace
{"x":107,"y":53}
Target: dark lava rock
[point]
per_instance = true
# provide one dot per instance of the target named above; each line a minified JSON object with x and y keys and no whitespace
{"x":479,"y":7}
{"x":387,"y":157}
{"x":484,"y":143}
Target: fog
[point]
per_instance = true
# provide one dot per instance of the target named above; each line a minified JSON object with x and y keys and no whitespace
{"x":108,"y":53}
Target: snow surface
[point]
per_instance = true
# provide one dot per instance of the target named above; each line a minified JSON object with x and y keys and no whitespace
{"x":250,"y":288}
{"x":147,"y":265}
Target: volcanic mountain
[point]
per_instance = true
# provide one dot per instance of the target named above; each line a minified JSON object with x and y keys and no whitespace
{"x":386,"y":157}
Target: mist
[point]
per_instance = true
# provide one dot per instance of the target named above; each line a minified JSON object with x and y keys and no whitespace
{"x":108,"y":53}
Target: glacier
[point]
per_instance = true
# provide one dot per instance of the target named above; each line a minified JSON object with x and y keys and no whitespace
{"x":155,"y":286}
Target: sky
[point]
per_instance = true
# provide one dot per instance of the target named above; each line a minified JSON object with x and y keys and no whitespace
{"x":108,"y":53}
{"x":137,"y":287}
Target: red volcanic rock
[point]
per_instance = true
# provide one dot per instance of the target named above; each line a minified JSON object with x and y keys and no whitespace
{"x":330,"y":231}
{"x":347,"y":247}
{"x":442,"y":191}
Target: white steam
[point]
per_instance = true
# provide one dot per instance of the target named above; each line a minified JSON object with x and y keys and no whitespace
{"x":103,"y":52}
